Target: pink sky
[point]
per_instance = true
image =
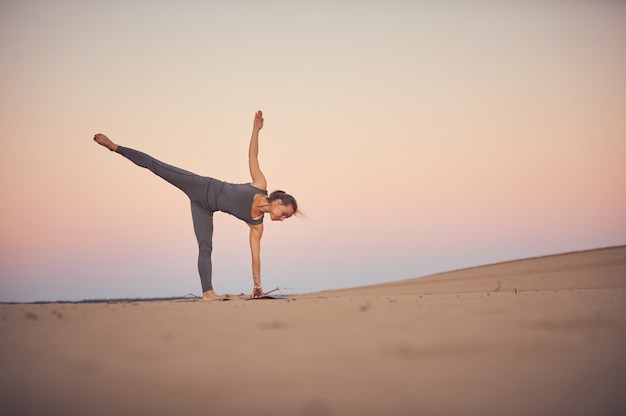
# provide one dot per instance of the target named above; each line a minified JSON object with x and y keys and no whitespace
{"x":417,"y":139}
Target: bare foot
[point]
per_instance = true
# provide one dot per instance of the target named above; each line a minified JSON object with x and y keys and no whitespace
{"x":103,"y":140}
{"x":211,"y":295}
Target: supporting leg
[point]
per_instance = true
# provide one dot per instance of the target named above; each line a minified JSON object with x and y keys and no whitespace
{"x":203,"y":227}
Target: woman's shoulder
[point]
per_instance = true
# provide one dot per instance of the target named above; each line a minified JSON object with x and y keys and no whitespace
{"x":256,"y":189}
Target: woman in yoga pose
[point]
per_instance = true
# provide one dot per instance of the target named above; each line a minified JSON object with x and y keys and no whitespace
{"x":249,"y":202}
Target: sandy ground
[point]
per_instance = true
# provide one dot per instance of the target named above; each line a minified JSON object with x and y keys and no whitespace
{"x":543,"y":336}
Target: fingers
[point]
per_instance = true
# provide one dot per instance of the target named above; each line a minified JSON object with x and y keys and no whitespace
{"x":257,"y":293}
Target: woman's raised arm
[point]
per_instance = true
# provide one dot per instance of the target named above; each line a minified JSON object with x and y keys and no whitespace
{"x":258,"y":179}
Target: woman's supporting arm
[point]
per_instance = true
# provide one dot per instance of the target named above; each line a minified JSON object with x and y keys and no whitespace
{"x":256,"y":232}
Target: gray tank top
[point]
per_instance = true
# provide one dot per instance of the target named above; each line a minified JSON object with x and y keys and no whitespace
{"x":236,"y":200}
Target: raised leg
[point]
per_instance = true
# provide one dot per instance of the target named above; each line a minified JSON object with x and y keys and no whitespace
{"x":191,"y":184}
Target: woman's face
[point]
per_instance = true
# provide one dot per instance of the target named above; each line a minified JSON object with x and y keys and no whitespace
{"x":280,"y":211}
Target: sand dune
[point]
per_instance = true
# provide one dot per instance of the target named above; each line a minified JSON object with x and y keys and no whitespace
{"x":593,"y":269}
{"x":537,"y":336}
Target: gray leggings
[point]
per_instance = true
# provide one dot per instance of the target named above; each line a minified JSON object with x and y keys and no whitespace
{"x":199,"y":189}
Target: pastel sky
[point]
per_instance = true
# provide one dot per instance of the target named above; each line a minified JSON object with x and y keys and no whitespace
{"x":418,"y":137}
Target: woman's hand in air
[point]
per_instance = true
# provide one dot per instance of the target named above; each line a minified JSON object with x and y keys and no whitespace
{"x":258,"y":120}
{"x":257,"y":292}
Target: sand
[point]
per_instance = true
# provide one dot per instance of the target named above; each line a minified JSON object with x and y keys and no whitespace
{"x":541,"y":336}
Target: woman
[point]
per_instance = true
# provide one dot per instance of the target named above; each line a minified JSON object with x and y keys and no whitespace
{"x":249,"y":202}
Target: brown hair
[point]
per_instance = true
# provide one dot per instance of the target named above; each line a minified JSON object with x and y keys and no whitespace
{"x":285,"y":198}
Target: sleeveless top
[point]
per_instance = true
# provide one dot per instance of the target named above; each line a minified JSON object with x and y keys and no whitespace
{"x":236,"y":200}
